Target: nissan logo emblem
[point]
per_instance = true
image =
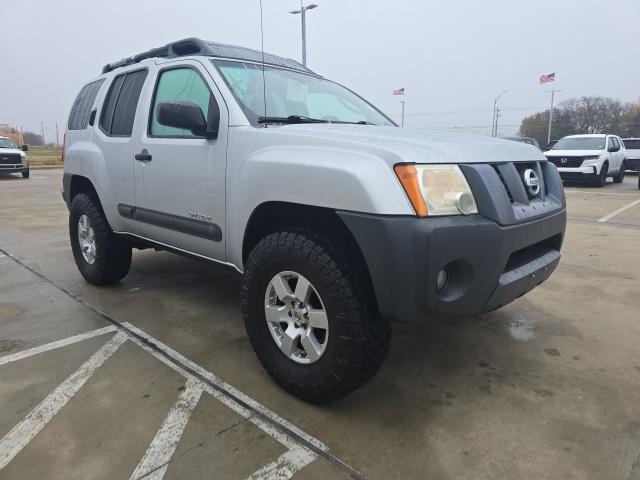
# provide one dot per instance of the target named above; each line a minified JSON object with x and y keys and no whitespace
{"x":532,"y":182}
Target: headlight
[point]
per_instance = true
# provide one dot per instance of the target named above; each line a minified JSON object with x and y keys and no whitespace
{"x":436,"y":189}
{"x":591,"y":157}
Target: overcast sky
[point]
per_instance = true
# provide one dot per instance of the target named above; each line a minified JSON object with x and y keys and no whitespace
{"x":452,"y":57}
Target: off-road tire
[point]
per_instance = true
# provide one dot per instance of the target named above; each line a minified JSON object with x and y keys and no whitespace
{"x":113,"y":253}
{"x":25,"y":173}
{"x":600,"y":179}
{"x":619,"y":177}
{"x":358,"y":339}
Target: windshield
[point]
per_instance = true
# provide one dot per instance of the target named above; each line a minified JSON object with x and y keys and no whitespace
{"x":6,"y":143}
{"x":580,"y":143}
{"x":632,"y":144}
{"x":291,"y":93}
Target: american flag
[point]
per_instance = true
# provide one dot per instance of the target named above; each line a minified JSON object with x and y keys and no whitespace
{"x":400,"y":91}
{"x":547,"y":78}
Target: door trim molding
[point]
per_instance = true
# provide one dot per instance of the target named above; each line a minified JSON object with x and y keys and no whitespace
{"x":190,"y":226}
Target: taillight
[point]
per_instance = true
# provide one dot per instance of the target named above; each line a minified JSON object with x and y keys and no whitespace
{"x":64,"y":146}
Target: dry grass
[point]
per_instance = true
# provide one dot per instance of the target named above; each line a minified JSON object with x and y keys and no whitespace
{"x":44,"y":156}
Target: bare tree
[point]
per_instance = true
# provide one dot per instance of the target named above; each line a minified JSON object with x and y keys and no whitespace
{"x":588,"y":114}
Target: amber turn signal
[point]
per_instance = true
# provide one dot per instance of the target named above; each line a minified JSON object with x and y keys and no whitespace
{"x":408,"y":176}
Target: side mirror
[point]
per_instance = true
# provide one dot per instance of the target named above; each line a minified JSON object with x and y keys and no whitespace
{"x":185,"y":115}
{"x":24,"y":148}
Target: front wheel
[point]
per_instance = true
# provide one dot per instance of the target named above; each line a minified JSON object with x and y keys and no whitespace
{"x":101,"y":256}
{"x":601,"y":179}
{"x":619,"y":177}
{"x":25,"y":173}
{"x":308,"y":318}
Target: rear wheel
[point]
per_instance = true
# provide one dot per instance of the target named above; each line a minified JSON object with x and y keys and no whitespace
{"x":601,"y":179}
{"x":619,"y":177}
{"x":308,"y":318}
{"x":101,"y":256}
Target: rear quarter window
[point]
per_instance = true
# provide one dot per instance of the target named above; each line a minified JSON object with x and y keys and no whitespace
{"x":81,"y":110}
{"x":119,"y":109}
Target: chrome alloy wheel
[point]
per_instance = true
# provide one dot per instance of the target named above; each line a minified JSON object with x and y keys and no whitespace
{"x":87,"y":239}
{"x":296,"y":317}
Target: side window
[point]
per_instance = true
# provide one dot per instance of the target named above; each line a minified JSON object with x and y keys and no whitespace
{"x":616,"y":143}
{"x":106,"y":116}
{"x":119,"y":109}
{"x":179,"y":84}
{"x":610,"y":143}
{"x":81,"y":110}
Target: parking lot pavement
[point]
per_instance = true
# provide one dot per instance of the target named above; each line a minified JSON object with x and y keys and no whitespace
{"x":156,"y":376}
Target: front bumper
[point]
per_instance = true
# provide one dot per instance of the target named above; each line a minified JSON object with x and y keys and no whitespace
{"x":16,"y":168}
{"x":578,"y":173}
{"x":633,"y":164}
{"x":489,"y":264}
{"x":586,"y":170}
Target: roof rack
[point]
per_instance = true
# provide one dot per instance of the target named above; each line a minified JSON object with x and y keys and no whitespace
{"x":197,"y":46}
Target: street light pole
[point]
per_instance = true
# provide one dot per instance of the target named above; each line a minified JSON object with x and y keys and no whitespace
{"x":553,"y":94}
{"x":494,"y":125}
{"x":302,"y":12}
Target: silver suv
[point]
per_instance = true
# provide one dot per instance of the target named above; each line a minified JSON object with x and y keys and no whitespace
{"x":339,"y":221}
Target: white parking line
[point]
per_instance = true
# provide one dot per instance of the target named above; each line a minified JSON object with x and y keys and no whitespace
{"x":302,"y":448}
{"x":14,"y":441}
{"x":157,"y":457}
{"x":285,"y":466}
{"x":609,"y":216}
{"x":221,"y":384}
{"x":53,"y":345}
{"x":299,"y":456}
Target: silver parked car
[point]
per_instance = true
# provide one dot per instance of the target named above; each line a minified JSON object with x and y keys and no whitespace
{"x":338,"y":221}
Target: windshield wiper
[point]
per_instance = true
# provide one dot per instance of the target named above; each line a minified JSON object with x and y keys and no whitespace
{"x":291,"y":119}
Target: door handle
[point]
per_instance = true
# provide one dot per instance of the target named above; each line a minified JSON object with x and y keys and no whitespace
{"x":143,"y":156}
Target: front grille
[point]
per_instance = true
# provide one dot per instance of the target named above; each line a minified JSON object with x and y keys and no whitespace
{"x":504,"y":183}
{"x":566,"y":162}
{"x":521,"y":168}
{"x":503,"y":195}
{"x":512,"y":177}
{"x":10,"y":158}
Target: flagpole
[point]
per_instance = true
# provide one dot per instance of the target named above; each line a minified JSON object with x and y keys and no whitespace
{"x":553,"y":93}
{"x":402,"y":122}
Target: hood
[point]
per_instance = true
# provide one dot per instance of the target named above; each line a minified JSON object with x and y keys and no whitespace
{"x":11,"y":150}
{"x":572,"y":153}
{"x":410,"y":144}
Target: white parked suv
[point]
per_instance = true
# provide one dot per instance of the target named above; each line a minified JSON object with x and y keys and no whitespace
{"x":589,"y":157}
{"x":12,"y":158}
{"x":339,"y":221}
{"x":632,"y":147}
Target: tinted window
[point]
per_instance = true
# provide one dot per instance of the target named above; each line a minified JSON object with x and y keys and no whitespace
{"x":179,"y":84}
{"x":106,"y":117}
{"x":616,"y":143}
{"x":119,"y":110}
{"x":81,"y":110}
{"x":632,"y":144}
